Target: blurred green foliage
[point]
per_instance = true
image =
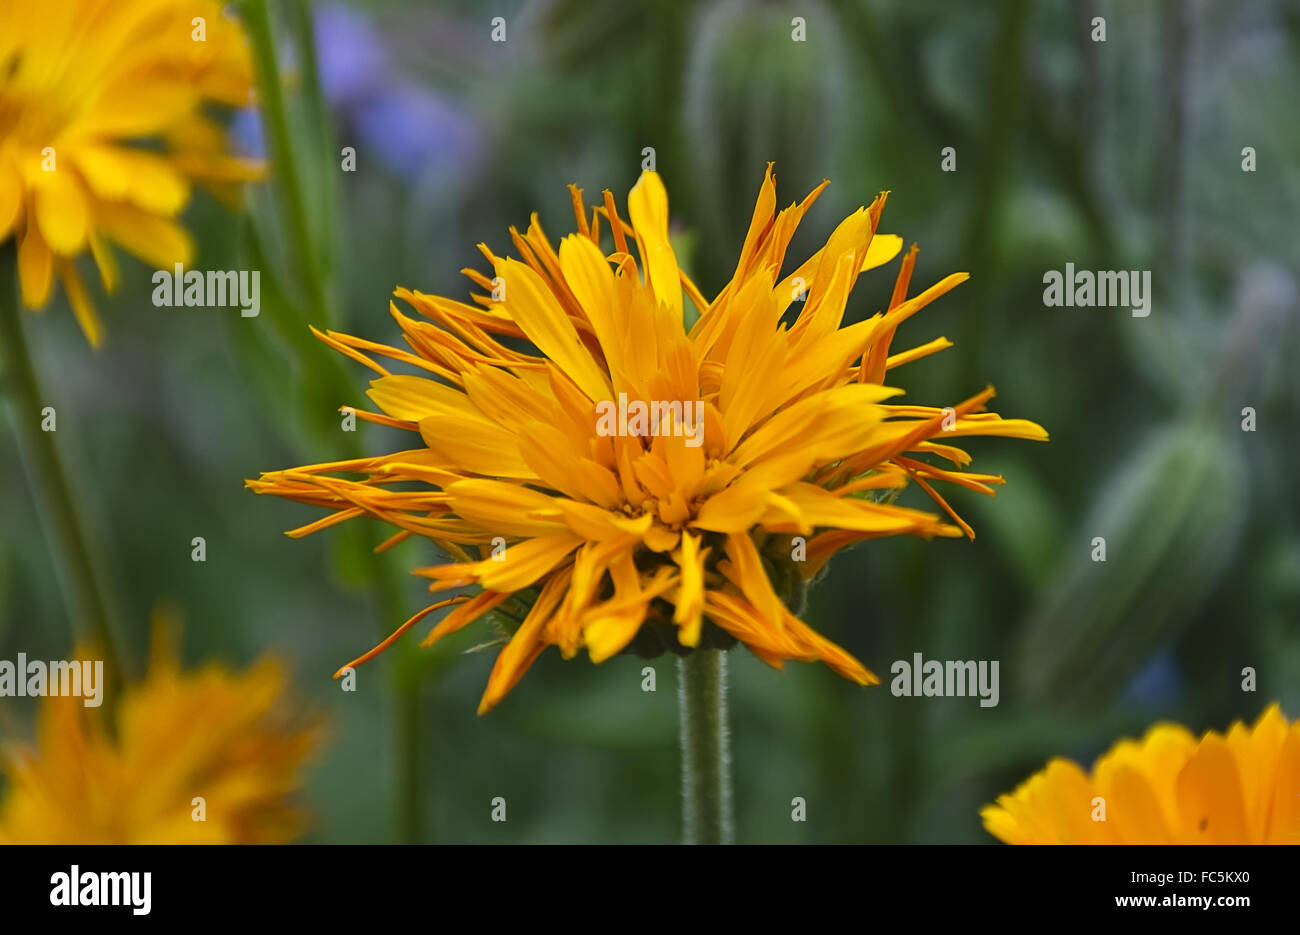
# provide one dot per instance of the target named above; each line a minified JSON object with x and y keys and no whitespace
{"x":1117,"y":155}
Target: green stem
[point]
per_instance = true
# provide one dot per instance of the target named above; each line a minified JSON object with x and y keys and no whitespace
{"x":409,"y":804}
{"x":312,"y":263}
{"x":322,"y":130}
{"x":289,"y":181}
{"x":706,"y":754}
{"x":411,"y":784}
{"x":76,"y":567}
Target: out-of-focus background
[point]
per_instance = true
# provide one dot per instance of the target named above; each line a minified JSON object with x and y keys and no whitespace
{"x":1125,"y":154}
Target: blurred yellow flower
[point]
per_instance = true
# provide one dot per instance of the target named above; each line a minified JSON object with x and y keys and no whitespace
{"x":103,"y":130}
{"x":1170,"y":788}
{"x":210,"y":743}
{"x":637,"y":482}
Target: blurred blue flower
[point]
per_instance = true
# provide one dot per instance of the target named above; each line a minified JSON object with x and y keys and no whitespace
{"x":413,"y":131}
{"x":353,"y":61}
{"x":1158,"y":683}
{"x":410,"y":129}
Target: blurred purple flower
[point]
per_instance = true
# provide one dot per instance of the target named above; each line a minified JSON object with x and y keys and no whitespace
{"x":415,"y":131}
{"x":1158,"y":683}
{"x":410,"y":129}
{"x":353,"y":61}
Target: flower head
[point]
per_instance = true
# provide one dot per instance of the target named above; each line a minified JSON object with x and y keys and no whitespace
{"x":102,"y":132}
{"x":1168,"y":788}
{"x":211,"y":734}
{"x":641,"y":484}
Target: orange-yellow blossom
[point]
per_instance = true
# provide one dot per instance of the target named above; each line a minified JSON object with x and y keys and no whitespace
{"x":613,"y":537}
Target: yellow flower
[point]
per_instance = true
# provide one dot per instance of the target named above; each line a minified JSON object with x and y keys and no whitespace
{"x":210,"y":733}
{"x":1242,"y":788}
{"x":666,"y":539}
{"x":102,"y":131}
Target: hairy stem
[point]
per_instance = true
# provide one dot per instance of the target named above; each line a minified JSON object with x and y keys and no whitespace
{"x":706,"y":754}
